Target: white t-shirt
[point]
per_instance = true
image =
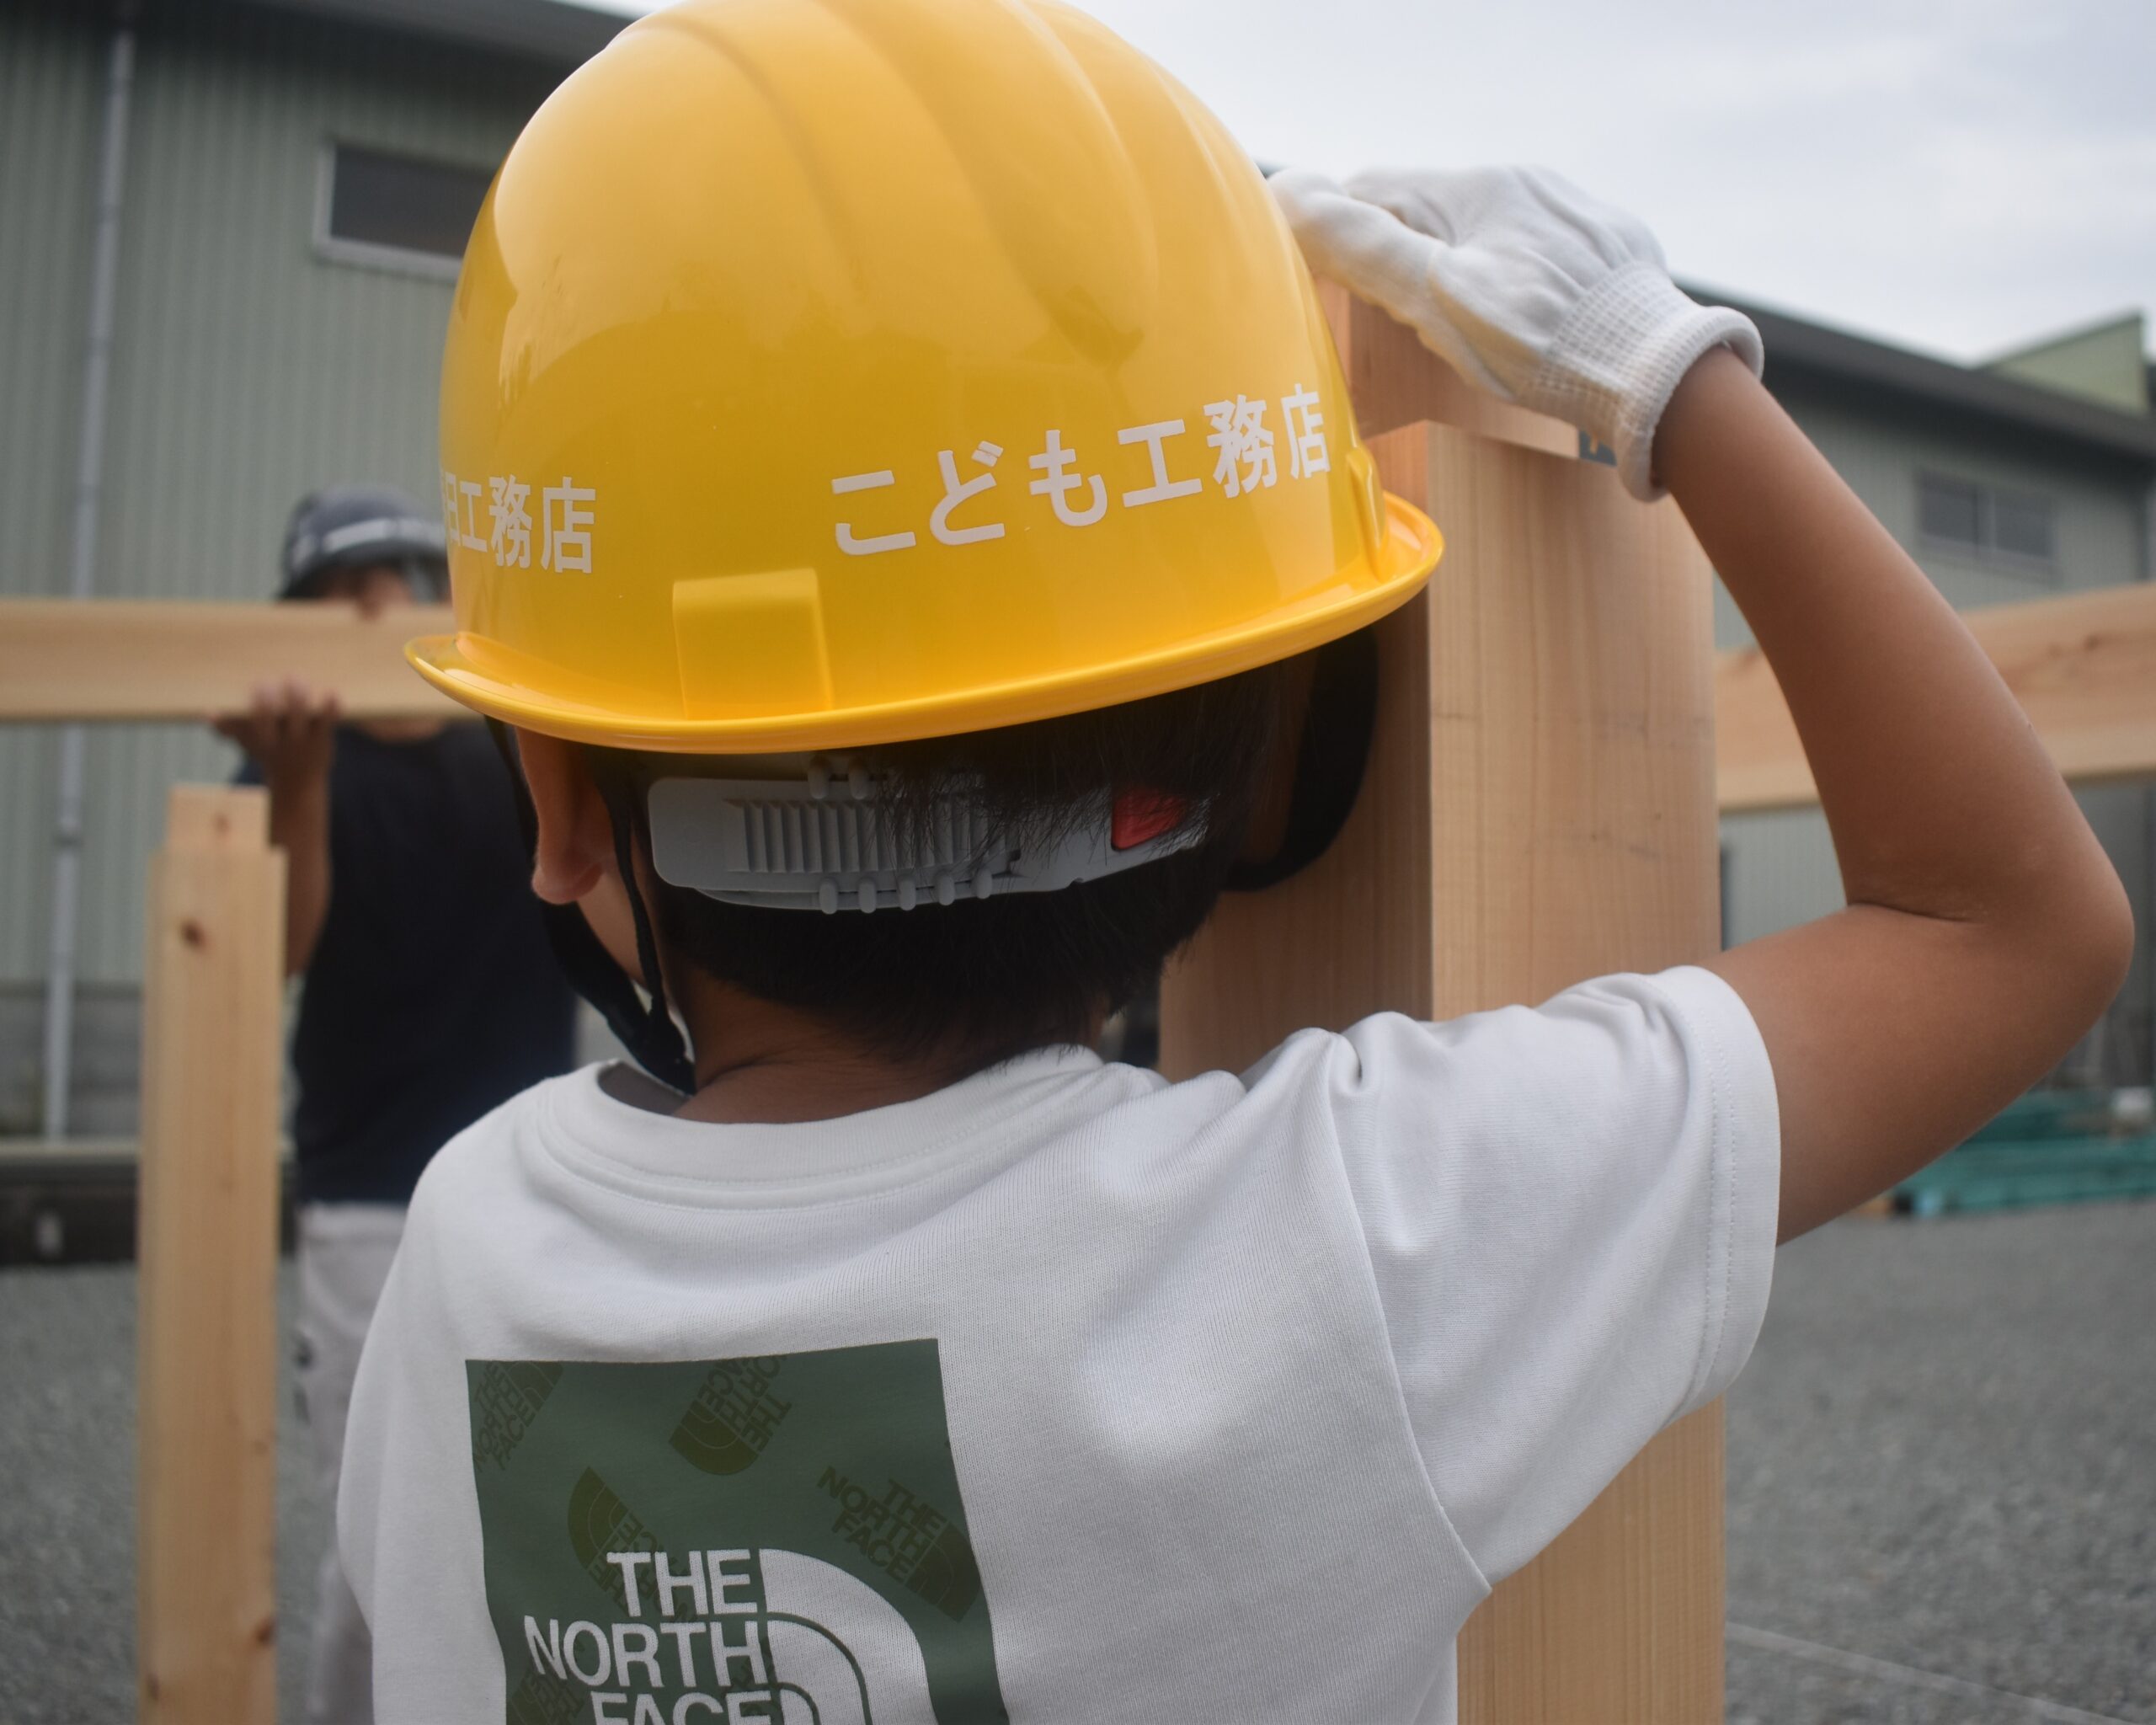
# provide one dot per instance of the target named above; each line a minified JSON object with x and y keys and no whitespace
{"x":1063,"y":1394}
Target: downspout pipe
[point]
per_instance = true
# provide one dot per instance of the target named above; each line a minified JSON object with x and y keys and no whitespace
{"x":81,"y":569}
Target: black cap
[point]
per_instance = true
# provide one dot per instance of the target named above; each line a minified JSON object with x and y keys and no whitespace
{"x":356,"y":526}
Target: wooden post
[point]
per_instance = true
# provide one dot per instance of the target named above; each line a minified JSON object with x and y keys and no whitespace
{"x":206,"y":1365}
{"x":1539,"y":809}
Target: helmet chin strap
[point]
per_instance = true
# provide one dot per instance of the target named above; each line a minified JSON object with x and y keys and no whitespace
{"x":643,"y":1027}
{"x":1330,"y":755}
{"x":625,"y":810}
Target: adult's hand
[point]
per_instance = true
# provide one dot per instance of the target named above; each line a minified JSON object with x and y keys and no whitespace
{"x":290,"y":731}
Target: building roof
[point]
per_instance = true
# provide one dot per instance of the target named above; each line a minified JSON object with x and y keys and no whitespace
{"x":2107,"y":361}
{"x":556,"y":32}
{"x":1797,"y":346}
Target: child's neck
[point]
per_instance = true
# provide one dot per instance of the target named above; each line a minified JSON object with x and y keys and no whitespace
{"x":757,"y":1063}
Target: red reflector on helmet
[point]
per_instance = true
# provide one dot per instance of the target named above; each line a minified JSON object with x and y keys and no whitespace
{"x":1140,"y":815}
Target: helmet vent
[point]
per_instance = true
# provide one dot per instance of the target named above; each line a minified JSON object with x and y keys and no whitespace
{"x":793,"y":836}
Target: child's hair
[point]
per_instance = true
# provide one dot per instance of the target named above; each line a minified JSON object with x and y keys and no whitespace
{"x":975,"y":982}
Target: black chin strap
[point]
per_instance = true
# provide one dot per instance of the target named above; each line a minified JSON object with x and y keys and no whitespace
{"x":1330,"y":758}
{"x":643,"y":1026}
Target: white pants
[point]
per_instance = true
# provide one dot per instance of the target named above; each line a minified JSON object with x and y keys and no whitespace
{"x":345,"y":1254}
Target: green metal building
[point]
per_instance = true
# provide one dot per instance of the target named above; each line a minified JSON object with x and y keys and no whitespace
{"x":258,"y":348}
{"x":272,"y":191}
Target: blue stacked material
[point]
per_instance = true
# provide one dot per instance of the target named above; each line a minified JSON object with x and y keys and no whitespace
{"x":2048,"y":1147}
{"x":2042,"y":1115}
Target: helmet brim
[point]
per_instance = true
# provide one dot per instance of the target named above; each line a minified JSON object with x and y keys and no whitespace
{"x":1412,"y":546}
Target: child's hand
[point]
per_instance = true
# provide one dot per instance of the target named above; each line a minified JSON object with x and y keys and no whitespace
{"x":1526,"y":285}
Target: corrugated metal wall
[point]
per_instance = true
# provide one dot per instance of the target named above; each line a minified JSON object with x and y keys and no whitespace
{"x":1781,"y":867}
{"x":246,"y":369}
{"x":51,"y":80}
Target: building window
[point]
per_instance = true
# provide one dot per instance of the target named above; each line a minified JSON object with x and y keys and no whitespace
{"x":404,"y":212}
{"x":2015,"y":530}
{"x":2021,"y":526}
{"x":1950,"y":512}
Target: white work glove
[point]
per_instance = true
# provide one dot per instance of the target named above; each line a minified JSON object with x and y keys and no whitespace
{"x":1526,"y":287}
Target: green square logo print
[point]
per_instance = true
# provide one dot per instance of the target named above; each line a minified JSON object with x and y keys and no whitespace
{"x":769,"y":1542}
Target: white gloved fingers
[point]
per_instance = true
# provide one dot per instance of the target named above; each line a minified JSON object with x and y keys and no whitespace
{"x":1500,"y":209}
{"x":1526,"y":284}
{"x":1616,"y":236}
{"x":1350,"y":240}
{"x":1461,"y":205}
{"x":1422,"y":197}
{"x":1382,"y":258}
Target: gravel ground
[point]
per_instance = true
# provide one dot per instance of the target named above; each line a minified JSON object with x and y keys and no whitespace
{"x":1943,"y":1455}
{"x":1942,"y":1483}
{"x":67,"y":1522}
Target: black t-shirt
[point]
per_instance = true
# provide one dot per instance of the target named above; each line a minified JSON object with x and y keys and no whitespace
{"x":432,"y":995}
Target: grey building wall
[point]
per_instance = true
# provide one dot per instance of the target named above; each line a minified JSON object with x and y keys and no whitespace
{"x":247,"y":368}
{"x":49,"y":81}
{"x":1781,"y":869}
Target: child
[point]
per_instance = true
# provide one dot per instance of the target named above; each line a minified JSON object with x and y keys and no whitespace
{"x":903,"y":1360}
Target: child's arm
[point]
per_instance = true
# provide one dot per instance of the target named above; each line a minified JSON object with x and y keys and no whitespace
{"x":1985,"y":929}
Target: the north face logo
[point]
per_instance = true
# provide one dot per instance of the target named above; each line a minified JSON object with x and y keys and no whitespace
{"x":779,"y":1539}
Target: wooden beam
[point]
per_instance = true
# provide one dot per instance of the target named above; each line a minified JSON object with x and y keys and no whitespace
{"x":206,"y":1351}
{"x":1539,"y":809}
{"x":2082,"y":667}
{"x":118,"y":658}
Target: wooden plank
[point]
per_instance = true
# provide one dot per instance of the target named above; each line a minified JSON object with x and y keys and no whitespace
{"x":2082,"y":667}
{"x":206,"y":1354}
{"x":116,"y":659}
{"x":203,"y":818}
{"x":1539,"y":809}
{"x":1570,"y":649}
{"x":1394,"y":381}
{"x":1613,"y":1622}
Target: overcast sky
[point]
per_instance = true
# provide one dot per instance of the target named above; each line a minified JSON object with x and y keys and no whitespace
{"x":1958,"y":175}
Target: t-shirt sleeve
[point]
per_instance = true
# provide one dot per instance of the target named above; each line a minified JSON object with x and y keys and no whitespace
{"x":1569,"y":1213}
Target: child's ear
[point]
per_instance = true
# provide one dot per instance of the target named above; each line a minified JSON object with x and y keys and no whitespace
{"x":576,"y":837}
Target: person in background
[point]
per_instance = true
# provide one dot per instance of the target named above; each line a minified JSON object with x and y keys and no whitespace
{"x":402,"y":846}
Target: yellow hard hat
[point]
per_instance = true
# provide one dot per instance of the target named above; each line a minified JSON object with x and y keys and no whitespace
{"x":825,"y":375}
